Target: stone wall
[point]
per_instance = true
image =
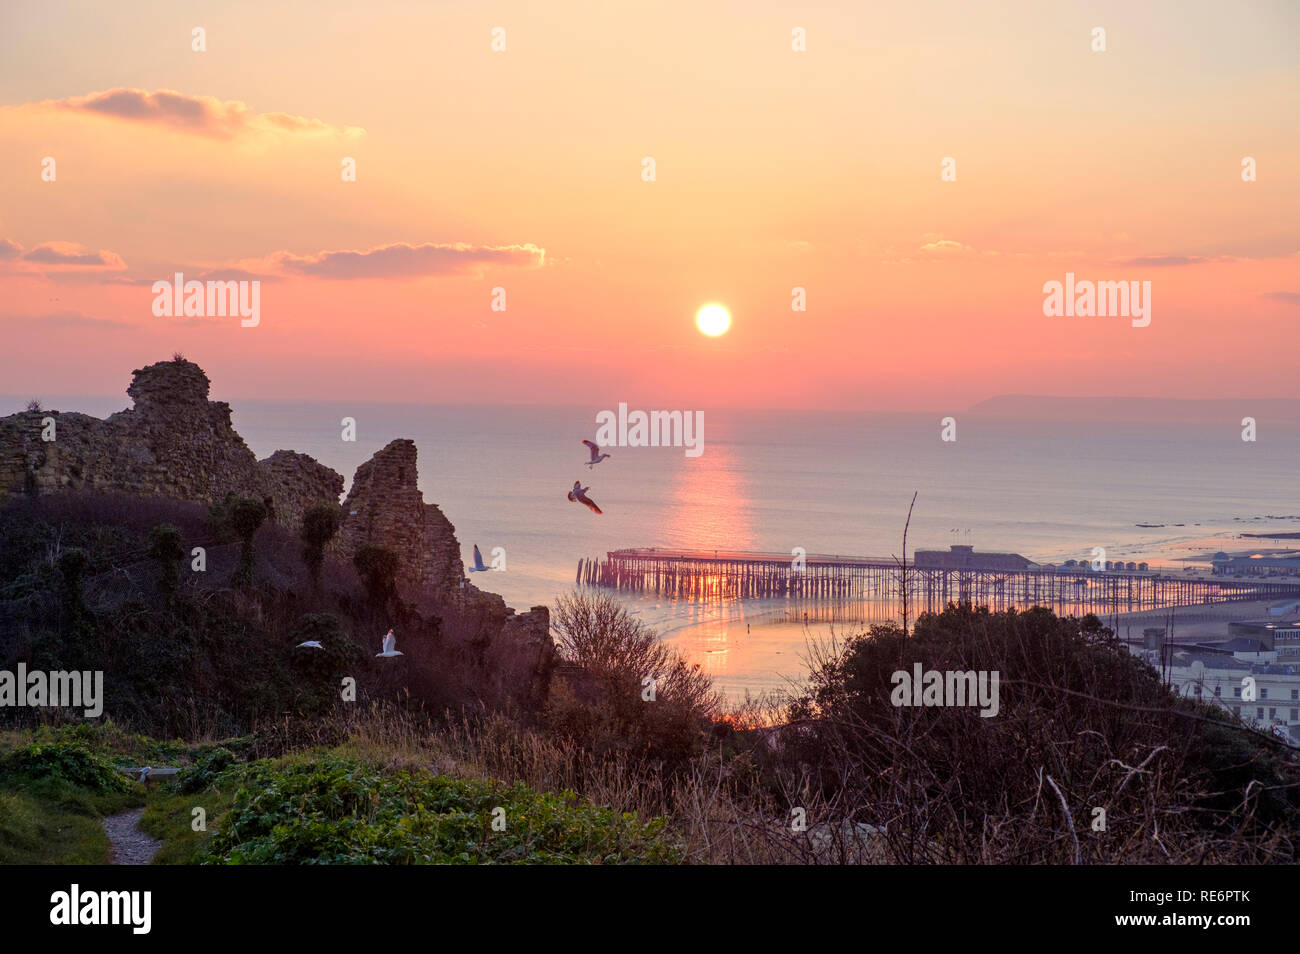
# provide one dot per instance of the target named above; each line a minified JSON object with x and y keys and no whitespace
{"x":385,"y":508}
{"x":173,"y":443}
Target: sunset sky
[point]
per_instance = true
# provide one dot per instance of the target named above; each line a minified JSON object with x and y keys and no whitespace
{"x":523,"y":169}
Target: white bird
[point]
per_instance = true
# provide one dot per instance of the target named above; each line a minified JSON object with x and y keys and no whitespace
{"x":311,"y":644}
{"x":478,"y":566}
{"x":390,"y":645}
{"x":144,"y":773}
{"x":579,"y":495}
{"x":596,"y":455}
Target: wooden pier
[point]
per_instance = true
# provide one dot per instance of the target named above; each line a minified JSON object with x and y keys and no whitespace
{"x":701,"y":575}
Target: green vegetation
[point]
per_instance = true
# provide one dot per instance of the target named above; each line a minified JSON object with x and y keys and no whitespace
{"x":99,"y":582}
{"x":52,"y":795}
{"x":316,"y":806}
{"x":335,"y":810}
{"x":245,"y":516}
{"x":378,"y":569}
{"x":1082,"y":725}
{"x":166,"y":548}
{"x":319,"y":525}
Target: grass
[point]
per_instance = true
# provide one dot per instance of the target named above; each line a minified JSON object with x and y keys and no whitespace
{"x":54,"y":821}
{"x":169,"y":817}
{"x":324,"y":807}
{"x":368,"y":801}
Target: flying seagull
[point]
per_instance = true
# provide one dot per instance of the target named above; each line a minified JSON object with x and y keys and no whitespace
{"x":579,"y":495}
{"x":144,"y":773}
{"x":390,"y":645}
{"x":596,"y":455}
{"x":311,"y":644}
{"x":478,"y":566}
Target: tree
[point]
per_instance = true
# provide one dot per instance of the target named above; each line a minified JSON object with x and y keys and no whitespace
{"x":165,"y":546}
{"x":245,"y":516}
{"x":378,"y":569}
{"x":319,"y":525}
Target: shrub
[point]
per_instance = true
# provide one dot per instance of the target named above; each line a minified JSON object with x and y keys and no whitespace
{"x":1081,"y":724}
{"x":333,"y":810}
{"x":244,"y":516}
{"x":64,"y":761}
{"x":319,"y":525}
{"x":622,"y":659}
{"x":378,"y":569}
{"x":165,"y":546}
{"x":203,"y":773}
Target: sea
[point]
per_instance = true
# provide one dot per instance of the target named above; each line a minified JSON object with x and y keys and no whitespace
{"x":1169,"y":492}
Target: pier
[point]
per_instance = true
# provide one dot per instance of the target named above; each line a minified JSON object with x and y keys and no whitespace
{"x":723,"y":575}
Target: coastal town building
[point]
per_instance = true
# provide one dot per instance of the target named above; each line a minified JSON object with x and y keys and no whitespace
{"x":1224,"y":565}
{"x":965,"y":557}
{"x":1243,"y":675}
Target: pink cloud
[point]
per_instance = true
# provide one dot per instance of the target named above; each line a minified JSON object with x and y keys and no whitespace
{"x":72,"y":255}
{"x":408,"y":261}
{"x":200,"y":115}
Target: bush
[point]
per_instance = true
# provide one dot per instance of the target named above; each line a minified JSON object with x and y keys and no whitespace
{"x":64,"y":761}
{"x":319,"y":525}
{"x":165,"y":546}
{"x":197,"y":777}
{"x":609,"y":707}
{"x":333,"y":810}
{"x":1081,"y":724}
{"x":378,"y":569}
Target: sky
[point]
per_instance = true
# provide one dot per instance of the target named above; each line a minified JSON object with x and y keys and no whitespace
{"x":775,"y":168}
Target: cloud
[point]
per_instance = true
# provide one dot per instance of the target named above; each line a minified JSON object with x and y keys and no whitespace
{"x":408,"y":261}
{"x":9,"y":249}
{"x":198,"y":115}
{"x":945,"y":247}
{"x":1171,"y":261}
{"x":72,"y":255}
{"x":1290,"y":298}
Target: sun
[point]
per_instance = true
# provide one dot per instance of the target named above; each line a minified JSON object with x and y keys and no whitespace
{"x":713,"y":320}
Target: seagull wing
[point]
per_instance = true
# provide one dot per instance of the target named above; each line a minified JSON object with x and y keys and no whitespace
{"x":594,"y":449}
{"x":591,"y":504}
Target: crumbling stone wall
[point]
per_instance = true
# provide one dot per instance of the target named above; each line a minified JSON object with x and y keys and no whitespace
{"x":173,"y":443}
{"x":385,"y":508}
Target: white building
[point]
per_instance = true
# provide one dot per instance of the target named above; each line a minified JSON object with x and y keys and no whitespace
{"x":1264,"y":694}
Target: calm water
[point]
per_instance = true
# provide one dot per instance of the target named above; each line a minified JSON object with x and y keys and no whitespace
{"x":827,"y":482}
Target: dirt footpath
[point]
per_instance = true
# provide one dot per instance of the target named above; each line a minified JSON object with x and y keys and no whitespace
{"x":130,"y":846}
